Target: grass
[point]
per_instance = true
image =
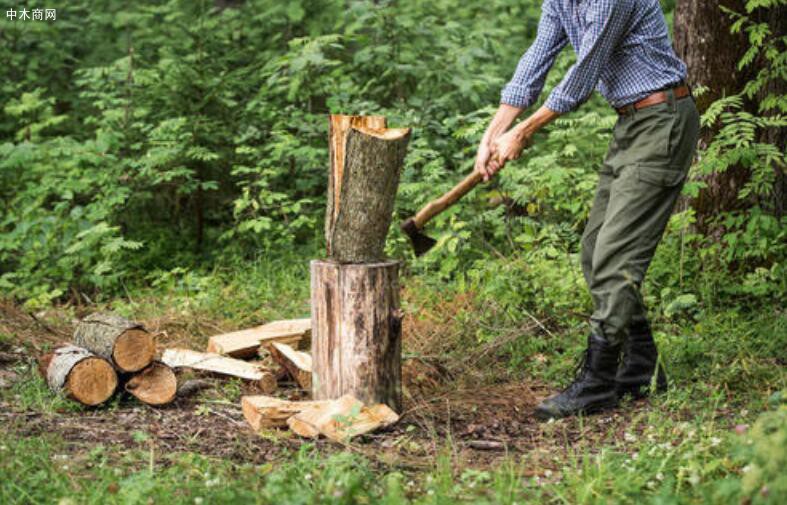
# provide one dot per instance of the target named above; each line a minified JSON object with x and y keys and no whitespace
{"x":719,"y":435}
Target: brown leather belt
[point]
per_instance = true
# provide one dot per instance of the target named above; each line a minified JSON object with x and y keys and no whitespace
{"x":681,"y":91}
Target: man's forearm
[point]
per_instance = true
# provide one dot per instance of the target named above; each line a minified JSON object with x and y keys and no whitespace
{"x":504,"y":117}
{"x":542,"y":117}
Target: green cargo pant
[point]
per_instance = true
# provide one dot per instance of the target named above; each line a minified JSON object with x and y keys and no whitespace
{"x":639,"y":183}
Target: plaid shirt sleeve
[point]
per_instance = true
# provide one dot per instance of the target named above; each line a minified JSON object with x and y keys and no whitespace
{"x":605,"y":23}
{"x":528,"y":80}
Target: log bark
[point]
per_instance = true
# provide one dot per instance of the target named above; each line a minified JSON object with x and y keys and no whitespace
{"x":338,"y":127}
{"x":342,"y":419}
{"x":80,"y":375}
{"x":155,"y":385}
{"x":269,"y":412}
{"x":245,"y":343}
{"x":366,"y":160}
{"x":126,"y":344}
{"x":357,"y":332}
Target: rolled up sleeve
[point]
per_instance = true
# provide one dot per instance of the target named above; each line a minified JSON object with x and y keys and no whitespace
{"x":606,"y":21}
{"x":528,"y":79}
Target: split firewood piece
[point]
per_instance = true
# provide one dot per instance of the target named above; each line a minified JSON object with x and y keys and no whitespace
{"x":342,"y":419}
{"x":155,"y":385}
{"x":214,"y":363}
{"x":126,"y":344}
{"x":366,"y":160}
{"x":79,"y":374}
{"x":269,"y":412}
{"x":297,"y":363}
{"x":245,"y":343}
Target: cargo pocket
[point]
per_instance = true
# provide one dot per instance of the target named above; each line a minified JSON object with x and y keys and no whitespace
{"x":659,"y":175}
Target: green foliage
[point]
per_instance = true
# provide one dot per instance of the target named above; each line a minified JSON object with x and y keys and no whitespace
{"x":175,"y":132}
{"x":177,"y":139}
{"x":766,"y":452}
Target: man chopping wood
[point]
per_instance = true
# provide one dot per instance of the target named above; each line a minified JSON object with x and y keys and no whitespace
{"x":624,"y":51}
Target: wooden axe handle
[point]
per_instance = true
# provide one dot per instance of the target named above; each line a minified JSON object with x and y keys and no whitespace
{"x":438,"y":205}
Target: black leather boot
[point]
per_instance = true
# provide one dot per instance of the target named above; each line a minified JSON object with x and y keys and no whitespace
{"x":593,"y":388}
{"x":639,"y":362}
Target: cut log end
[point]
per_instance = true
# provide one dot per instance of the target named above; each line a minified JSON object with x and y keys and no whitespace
{"x":92,"y":381}
{"x":155,"y":385}
{"x":134,"y":350}
{"x":268,"y":383}
{"x":384,"y":133}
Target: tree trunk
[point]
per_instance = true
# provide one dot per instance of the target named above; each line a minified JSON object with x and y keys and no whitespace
{"x":356,"y":332}
{"x":366,"y":160}
{"x":124,"y":343}
{"x":80,"y":375}
{"x":155,"y":385}
{"x":703,"y":40}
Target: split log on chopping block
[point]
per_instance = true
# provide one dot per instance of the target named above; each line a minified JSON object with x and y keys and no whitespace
{"x":155,"y":385}
{"x":245,"y":343}
{"x":126,"y":344}
{"x":269,"y":412}
{"x":366,"y":160}
{"x":357,"y":332}
{"x":342,"y":419}
{"x":79,"y":374}
{"x":298,"y":364}
{"x":221,"y":365}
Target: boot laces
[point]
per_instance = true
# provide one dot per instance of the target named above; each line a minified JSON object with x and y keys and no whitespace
{"x":580,"y":368}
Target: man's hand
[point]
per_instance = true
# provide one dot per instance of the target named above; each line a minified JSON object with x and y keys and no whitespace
{"x":483,"y":157}
{"x":505,"y":148}
{"x":498,"y":148}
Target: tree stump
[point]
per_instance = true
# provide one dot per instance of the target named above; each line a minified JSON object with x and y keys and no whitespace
{"x":79,"y":374}
{"x":126,"y":344}
{"x":155,"y":385}
{"x":366,"y":160}
{"x":356,"y":332}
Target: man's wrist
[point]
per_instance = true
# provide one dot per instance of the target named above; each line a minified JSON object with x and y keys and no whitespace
{"x":532,"y":124}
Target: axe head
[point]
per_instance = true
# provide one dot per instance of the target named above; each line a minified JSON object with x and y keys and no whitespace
{"x":421,"y":242}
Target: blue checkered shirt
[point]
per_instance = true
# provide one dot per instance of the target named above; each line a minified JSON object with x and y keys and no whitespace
{"x":623,"y":50}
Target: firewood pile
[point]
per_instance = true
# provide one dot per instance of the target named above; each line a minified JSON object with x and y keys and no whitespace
{"x":111,"y":354}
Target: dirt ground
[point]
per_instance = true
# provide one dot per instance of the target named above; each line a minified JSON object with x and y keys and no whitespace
{"x":479,"y":423}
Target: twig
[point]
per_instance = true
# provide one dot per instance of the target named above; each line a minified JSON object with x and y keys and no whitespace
{"x":43,"y":325}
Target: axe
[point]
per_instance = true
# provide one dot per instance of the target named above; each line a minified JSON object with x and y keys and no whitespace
{"x":413,"y":226}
